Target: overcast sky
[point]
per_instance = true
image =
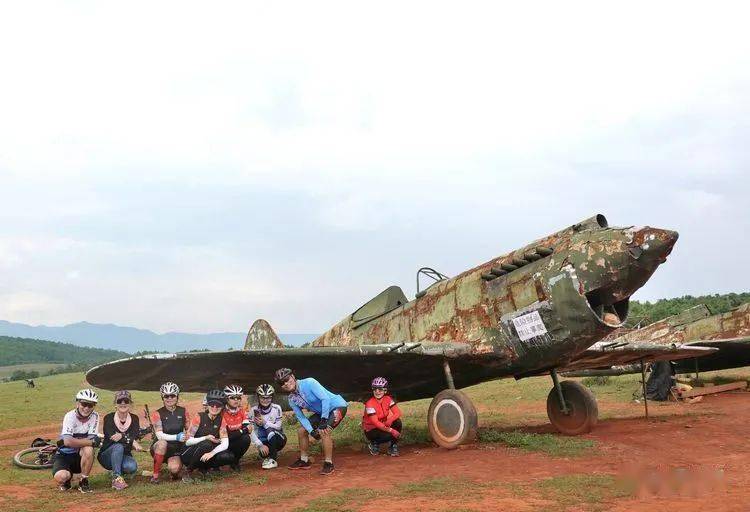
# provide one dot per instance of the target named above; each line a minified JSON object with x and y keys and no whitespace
{"x":194,"y":166}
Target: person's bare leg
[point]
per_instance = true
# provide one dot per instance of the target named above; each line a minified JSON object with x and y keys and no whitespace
{"x":160,"y":447}
{"x":87,"y":460}
{"x":304,"y":443}
{"x":327,"y":441}
{"x":62,"y":476}
{"x":175,"y":465}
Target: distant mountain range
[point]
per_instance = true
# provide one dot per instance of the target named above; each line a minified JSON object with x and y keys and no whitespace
{"x":131,"y":339}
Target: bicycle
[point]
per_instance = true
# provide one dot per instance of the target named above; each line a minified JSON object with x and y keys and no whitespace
{"x":39,"y":456}
{"x":42,"y":453}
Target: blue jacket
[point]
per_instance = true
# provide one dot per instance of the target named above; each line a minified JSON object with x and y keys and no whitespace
{"x":312,"y":396}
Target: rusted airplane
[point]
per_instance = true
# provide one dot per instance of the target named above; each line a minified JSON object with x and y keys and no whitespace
{"x":727,"y":333}
{"x":530,"y":312}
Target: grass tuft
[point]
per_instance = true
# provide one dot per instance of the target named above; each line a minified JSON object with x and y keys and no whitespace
{"x":557,"y":446}
{"x":598,"y":380}
{"x":574,"y":489}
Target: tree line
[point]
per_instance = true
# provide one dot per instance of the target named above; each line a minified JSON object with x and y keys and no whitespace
{"x":644,"y":313}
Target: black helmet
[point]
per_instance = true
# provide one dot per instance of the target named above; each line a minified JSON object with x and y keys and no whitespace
{"x":281,"y":375}
{"x":216,"y":395}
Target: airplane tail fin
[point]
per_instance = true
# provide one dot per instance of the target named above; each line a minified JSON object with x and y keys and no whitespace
{"x":262,"y":336}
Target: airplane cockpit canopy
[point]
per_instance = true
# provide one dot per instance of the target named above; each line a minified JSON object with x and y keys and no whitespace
{"x":387,"y":300}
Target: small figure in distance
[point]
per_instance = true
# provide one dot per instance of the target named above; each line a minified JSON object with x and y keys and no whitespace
{"x":328,"y":410}
{"x":30,"y":383}
{"x":77,"y":441}
{"x":382,"y":419}
{"x":268,"y":432}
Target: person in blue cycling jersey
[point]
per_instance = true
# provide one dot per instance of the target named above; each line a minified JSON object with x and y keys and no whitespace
{"x":328,"y":409}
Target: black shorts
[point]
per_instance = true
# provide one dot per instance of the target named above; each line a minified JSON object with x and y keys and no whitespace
{"x":67,"y":461}
{"x":334,"y":418}
{"x":174,"y":449}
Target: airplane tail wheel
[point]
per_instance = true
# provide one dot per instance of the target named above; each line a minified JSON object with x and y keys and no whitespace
{"x":452,"y":419}
{"x":583,"y":413}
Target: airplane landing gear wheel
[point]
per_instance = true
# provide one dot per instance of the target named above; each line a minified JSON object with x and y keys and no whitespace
{"x":451,"y":419}
{"x":582,"y":414}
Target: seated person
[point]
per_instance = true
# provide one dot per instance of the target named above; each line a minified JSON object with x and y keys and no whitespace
{"x":75,"y":453}
{"x":382,"y":419}
{"x":207,"y":441}
{"x":121,"y":428}
{"x":235,"y":421}
{"x":170,"y":423}
{"x":268,"y":433}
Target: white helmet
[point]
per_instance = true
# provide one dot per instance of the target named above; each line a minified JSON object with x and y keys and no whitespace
{"x":232,"y":390}
{"x":264,"y":391}
{"x":87,"y":395}
{"x":169,"y":388}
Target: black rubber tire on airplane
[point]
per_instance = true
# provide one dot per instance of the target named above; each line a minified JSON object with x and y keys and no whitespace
{"x":452,"y":419}
{"x":583,"y":412}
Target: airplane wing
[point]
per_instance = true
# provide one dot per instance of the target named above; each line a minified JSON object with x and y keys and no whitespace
{"x":605,"y":355}
{"x":729,"y":353}
{"x":415,"y":370}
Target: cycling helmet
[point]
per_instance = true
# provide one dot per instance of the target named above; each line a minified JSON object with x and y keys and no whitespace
{"x":281,"y":375}
{"x":232,"y":390}
{"x":379,"y":382}
{"x":87,"y":395}
{"x":169,"y":388}
{"x":264,"y":391}
{"x":216,"y":395}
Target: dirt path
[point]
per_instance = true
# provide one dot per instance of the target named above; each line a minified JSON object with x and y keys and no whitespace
{"x":691,"y":458}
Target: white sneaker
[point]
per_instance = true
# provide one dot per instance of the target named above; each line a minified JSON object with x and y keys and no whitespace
{"x":269,"y":464}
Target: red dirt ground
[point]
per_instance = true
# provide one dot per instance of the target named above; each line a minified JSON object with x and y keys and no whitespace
{"x":686,"y":448}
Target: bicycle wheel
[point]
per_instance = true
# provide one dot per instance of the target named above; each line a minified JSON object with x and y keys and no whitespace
{"x":34,"y":458}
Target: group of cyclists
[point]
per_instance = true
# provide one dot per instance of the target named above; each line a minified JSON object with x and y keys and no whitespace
{"x":219,"y":435}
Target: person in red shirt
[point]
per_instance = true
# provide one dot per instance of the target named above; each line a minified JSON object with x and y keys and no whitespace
{"x":382,"y":419}
{"x":236,"y":423}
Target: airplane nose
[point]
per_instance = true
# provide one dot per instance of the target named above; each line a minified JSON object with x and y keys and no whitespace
{"x":615,"y":263}
{"x":652,"y":244}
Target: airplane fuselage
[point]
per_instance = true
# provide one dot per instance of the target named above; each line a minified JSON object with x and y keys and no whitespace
{"x":529,"y":310}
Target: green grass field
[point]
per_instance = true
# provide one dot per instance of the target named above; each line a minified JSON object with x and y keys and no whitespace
{"x":42,"y":368}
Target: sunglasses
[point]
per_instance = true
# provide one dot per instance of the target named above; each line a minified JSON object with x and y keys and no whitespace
{"x":87,"y":405}
{"x":166,"y":397}
{"x":216,"y":404}
{"x":283,"y":382}
{"x":235,"y":397}
{"x":379,"y":389}
{"x":123,"y":401}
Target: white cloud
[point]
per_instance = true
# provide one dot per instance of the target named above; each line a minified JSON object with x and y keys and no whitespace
{"x":178,"y":167}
